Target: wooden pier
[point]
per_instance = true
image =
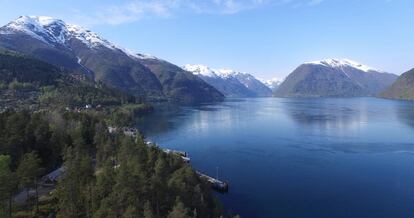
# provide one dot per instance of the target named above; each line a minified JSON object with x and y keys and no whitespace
{"x":216,"y":184}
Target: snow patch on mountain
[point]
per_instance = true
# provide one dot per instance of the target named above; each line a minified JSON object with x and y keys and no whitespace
{"x":145,"y":56}
{"x":226,"y":73}
{"x":272,"y":83}
{"x":230,"y":82}
{"x":133,"y":54}
{"x":54,"y":31}
{"x":342,"y":63}
{"x":209,"y":72}
{"x":200,"y":70}
{"x":28,"y":26}
{"x":88,"y":37}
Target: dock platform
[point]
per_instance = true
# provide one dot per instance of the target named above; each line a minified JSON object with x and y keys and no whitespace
{"x":218,"y":185}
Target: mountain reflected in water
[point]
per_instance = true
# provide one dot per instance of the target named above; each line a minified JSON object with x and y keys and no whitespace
{"x":326,"y":157}
{"x":324,"y":113}
{"x":405,"y":112}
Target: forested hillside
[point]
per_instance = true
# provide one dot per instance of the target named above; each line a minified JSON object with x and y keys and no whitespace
{"x":105,"y":175}
{"x":25,"y":82}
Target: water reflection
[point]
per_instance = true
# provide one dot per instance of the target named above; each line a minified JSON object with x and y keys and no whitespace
{"x":405,"y":112}
{"x":197,"y":118}
{"x":328,"y":113}
{"x":354,"y":155}
{"x":160,"y":120}
{"x":356,"y":125}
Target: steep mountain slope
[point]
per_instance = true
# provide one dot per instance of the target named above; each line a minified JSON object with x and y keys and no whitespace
{"x":249,"y":81}
{"x":177,"y":82}
{"x":403,"y":88}
{"x":81,"y":50}
{"x":230,"y":82}
{"x":336,"y":78}
{"x":16,"y":67}
{"x":27,"y":81}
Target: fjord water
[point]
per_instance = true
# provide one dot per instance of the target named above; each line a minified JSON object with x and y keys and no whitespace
{"x":328,"y":157}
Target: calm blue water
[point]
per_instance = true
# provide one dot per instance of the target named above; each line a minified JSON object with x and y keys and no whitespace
{"x":300,"y":157}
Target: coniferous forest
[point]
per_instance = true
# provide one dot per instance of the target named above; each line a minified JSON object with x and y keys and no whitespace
{"x":57,"y":124}
{"x":104,"y":174}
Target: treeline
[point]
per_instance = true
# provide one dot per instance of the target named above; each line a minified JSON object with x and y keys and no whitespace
{"x":23,"y":132}
{"x":105,"y":175}
{"x":75,"y":93}
{"x":126,"y":114}
{"x":16,"y":85}
{"x":16,"y":67}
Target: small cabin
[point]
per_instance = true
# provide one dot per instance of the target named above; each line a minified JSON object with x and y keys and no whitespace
{"x":52,"y":178}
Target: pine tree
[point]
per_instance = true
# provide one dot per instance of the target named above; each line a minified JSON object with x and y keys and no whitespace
{"x":29,"y":171}
{"x":7,"y":186}
{"x":161,"y":167}
{"x":179,"y":210}
{"x":74,"y":190}
{"x":130,"y":212}
{"x":148,"y":210}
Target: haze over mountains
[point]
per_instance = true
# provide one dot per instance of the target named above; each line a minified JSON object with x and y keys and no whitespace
{"x":82,"y":51}
{"x":334,"y":78}
{"x":231,"y":83}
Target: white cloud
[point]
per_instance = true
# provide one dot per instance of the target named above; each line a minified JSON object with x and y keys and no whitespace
{"x":134,"y":10}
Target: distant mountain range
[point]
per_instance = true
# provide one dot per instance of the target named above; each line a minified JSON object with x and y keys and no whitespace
{"x":403,"y":88}
{"x":334,"y":78}
{"x":273,"y":84}
{"x":231,"y":83}
{"x":82,"y":51}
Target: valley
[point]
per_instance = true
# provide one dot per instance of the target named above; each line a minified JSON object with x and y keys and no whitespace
{"x":206,"y":109}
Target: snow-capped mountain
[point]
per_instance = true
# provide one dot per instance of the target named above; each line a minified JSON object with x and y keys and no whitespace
{"x":231,"y":83}
{"x":201,"y":70}
{"x":83,"y":51}
{"x":334,"y":77}
{"x":343,"y":63}
{"x":55,"y":32}
{"x":273,"y":83}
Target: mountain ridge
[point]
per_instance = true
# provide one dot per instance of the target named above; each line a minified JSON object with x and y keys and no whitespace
{"x":334,"y":78}
{"x":344,"y":62}
{"x":230,"y":82}
{"x":402,"y":88}
{"x":83,"y":51}
{"x":273,"y":83}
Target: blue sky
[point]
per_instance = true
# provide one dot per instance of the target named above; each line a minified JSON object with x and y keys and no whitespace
{"x":268,"y":38}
